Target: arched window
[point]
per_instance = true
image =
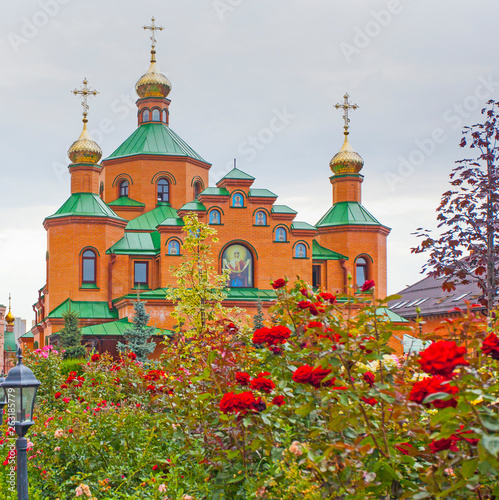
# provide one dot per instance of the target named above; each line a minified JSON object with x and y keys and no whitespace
{"x":215,"y":217}
{"x":173,"y":247}
{"x":300,"y":251}
{"x":197,"y":189}
{"x":281,"y":234}
{"x":361,"y":271}
{"x":145,"y":115}
{"x":124,"y":188}
{"x":260,"y":218}
{"x":155,"y":115}
{"x":237,"y":200}
{"x":88,"y":267}
{"x":164,"y":116}
{"x":163,"y":190}
{"x":238,"y":260}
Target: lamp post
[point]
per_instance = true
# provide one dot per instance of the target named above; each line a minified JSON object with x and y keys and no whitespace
{"x":20,"y":388}
{"x":3,"y":399}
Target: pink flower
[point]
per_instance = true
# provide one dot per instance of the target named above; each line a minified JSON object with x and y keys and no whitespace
{"x":162,"y":488}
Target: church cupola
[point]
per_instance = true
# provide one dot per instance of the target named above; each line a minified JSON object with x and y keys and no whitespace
{"x":10,"y":319}
{"x":153,"y":88}
{"x":85,"y":153}
{"x":346,"y":164}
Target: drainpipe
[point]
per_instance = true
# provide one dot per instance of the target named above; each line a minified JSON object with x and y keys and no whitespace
{"x":345,"y":276}
{"x":112,"y":260}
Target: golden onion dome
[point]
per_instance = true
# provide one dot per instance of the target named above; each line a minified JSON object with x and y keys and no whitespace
{"x":85,"y":150}
{"x":346,"y":161}
{"x":153,"y":83}
{"x":10,"y":318}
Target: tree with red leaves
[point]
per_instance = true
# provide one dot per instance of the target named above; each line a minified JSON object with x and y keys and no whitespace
{"x":468,"y":215}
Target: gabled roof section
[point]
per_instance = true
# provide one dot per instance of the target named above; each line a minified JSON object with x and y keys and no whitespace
{"x":345,"y":213}
{"x":194,"y":205}
{"x":172,"y":221}
{"x":137,"y":244}
{"x":283,"y":209}
{"x":85,"y":310}
{"x":125,"y":201}
{"x":150,"y":220}
{"x":28,"y":335}
{"x":114,"y":328}
{"x":303,"y":226}
{"x":321,"y":253}
{"x":215,"y":191}
{"x":235,"y":173}
{"x":155,"y":139}
{"x":84,"y":205}
{"x":10,"y":344}
{"x":387,"y":314}
{"x":261,"y":193}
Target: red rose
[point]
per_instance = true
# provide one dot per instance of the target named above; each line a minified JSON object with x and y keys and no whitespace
{"x":237,"y":403}
{"x":278,"y":283}
{"x":460,"y":436}
{"x":304,"y":304}
{"x":314,"y":324}
{"x":278,"y":401}
{"x":57,"y":395}
{"x":369,"y":378}
{"x":327,"y":297}
{"x":70,"y":431}
{"x":370,"y":401}
{"x":318,"y":375}
{"x":242,"y":378}
{"x":154,"y":375}
{"x":490,"y":346}
{"x":132,"y":356}
{"x":302,"y":374}
{"x":431,"y":385}
{"x":367,"y":339}
{"x":443,"y":444}
{"x":442,"y":357}
{"x":66,"y":400}
{"x":368,"y":285}
{"x":64,"y":386}
{"x":95,"y":357}
{"x":155,"y":467}
{"x":404,"y":448}
{"x":262,"y":384}
{"x":271,"y":336}
{"x":304,"y":292}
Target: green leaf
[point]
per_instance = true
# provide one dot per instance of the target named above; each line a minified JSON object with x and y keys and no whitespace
{"x":202,"y":397}
{"x":304,"y":410}
{"x":437,"y":395}
{"x":469,"y":467}
{"x":491,"y":444}
{"x":490,"y":424}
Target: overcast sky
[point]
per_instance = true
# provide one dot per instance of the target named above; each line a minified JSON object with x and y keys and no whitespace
{"x":252,"y":79}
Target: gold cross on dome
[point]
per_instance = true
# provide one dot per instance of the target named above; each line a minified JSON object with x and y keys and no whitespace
{"x":85,"y":92}
{"x":153,"y":28}
{"x":346,"y":106}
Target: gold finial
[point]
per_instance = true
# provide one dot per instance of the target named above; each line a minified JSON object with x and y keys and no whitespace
{"x":346,"y":106}
{"x":153,"y":28}
{"x":85,"y":92}
{"x":10,"y":317}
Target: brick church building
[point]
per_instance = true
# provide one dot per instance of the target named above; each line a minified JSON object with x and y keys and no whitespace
{"x":120,"y":230}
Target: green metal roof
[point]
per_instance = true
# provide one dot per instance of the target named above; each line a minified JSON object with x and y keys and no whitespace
{"x":125,"y":201}
{"x":155,"y":139}
{"x":85,"y":309}
{"x":390,"y":315}
{"x":27,"y":335}
{"x":151,"y":219}
{"x":303,"y":225}
{"x":235,"y":173}
{"x":214,"y":191}
{"x":262,"y":193}
{"x":283,"y":209}
{"x":84,"y":205}
{"x":114,"y":328}
{"x":137,"y":244}
{"x":171,"y":221}
{"x":194,"y":205}
{"x":321,"y":253}
{"x":9,"y":342}
{"x":347,"y":213}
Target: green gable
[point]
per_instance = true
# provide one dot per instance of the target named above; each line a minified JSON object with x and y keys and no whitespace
{"x":235,"y":173}
{"x":387,"y":314}
{"x":194,"y":205}
{"x":84,"y":205}
{"x":137,"y":244}
{"x":125,"y":201}
{"x":150,"y":220}
{"x":27,"y":335}
{"x":303,"y":225}
{"x":85,"y":310}
{"x":155,"y":139}
{"x":283,"y":209}
{"x":347,"y":213}
{"x":115,"y":328}
{"x":172,"y":221}
{"x":262,"y":193}
{"x":214,"y":191}
{"x":321,"y":253}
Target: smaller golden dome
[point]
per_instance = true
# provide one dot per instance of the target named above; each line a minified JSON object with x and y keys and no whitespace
{"x":85,"y":150}
{"x":346,"y":161}
{"x":10,"y":318}
{"x":153,"y":83}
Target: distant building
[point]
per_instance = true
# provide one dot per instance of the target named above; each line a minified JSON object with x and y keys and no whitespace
{"x":19,"y":327}
{"x":8,"y":344}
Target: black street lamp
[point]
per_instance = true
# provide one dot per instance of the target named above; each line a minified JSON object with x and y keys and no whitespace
{"x":20,"y":388}
{"x":3,"y":399}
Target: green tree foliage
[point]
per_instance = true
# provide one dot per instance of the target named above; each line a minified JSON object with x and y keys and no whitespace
{"x":138,"y":337}
{"x":70,"y":336}
{"x":200,"y":289}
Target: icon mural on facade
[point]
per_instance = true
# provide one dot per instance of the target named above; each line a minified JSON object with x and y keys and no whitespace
{"x":239,"y":261}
